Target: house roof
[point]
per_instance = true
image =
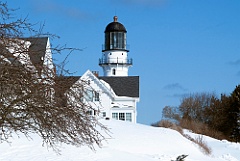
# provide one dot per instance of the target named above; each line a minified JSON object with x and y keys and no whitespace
{"x":124,"y":86}
{"x":37,"y":51}
{"x":65,"y":82}
{"x":5,"y":53}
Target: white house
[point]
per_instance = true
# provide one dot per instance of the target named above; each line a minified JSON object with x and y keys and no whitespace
{"x":116,"y":97}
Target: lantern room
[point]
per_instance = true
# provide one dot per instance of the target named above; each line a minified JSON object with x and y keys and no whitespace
{"x":115,"y":36}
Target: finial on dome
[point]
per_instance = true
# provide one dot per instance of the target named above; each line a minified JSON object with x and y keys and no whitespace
{"x":115,"y":18}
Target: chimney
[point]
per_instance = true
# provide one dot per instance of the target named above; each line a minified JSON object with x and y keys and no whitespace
{"x":96,"y":73}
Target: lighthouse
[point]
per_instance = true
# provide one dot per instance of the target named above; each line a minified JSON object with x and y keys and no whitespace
{"x":115,"y":61}
{"x":115,"y":94}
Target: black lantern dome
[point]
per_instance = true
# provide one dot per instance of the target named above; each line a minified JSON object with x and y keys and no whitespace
{"x":115,"y":36}
{"x":115,"y":26}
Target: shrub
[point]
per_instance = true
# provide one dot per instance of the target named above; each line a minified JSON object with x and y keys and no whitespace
{"x":201,"y":128}
{"x":168,"y":124}
{"x":199,"y":140}
{"x":191,"y":125}
{"x":165,"y":123}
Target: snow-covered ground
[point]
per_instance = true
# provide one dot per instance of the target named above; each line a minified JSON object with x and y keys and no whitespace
{"x":128,"y":142}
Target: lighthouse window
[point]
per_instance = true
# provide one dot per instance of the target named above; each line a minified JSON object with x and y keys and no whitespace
{"x":117,"y":40}
{"x":112,"y":40}
{"x":114,"y":72}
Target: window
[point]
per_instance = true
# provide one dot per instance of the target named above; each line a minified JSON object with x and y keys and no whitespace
{"x":115,"y":116}
{"x":88,"y":95}
{"x":95,"y":112}
{"x":129,"y":117}
{"x":104,"y":114}
{"x":96,"y":96}
{"x":122,"y":116}
{"x":114,"y":72}
{"x":115,"y":40}
{"x":107,"y":41}
{"x":90,"y":112}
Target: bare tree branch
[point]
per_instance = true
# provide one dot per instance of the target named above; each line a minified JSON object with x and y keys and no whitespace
{"x":33,"y":99}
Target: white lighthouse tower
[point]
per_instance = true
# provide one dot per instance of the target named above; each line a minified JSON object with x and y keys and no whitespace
{"x":114,"y":59}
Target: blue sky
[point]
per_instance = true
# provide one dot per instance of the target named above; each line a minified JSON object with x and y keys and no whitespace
{"x":178,"y":46}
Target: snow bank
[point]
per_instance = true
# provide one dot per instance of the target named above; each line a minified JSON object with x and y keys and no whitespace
{"x":128,"y":142}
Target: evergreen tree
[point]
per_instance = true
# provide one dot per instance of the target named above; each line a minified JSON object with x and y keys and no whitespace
{"x":235,"y":114}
